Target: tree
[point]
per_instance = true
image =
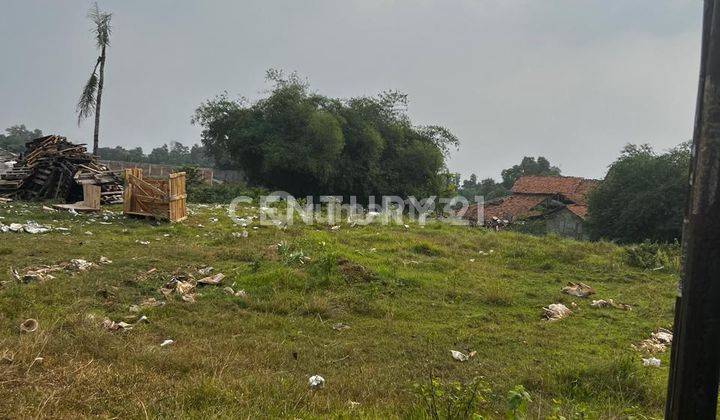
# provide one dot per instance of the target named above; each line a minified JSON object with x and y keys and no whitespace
{"x":306,"y":143}
{"x":528,"y":166}
{"x":16,"y":137}
{"x":642,"y":197}
{"x":91,"y":98}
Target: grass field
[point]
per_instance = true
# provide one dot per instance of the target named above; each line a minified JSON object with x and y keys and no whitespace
{"x":409,"y":296}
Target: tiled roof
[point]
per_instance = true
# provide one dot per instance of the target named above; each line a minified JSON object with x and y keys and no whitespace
{"x":508,"y":208}
{"x":578,"y":209}
{"x":573,"y":188}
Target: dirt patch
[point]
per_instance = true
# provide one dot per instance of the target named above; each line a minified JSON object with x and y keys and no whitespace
{"x":355,"y":273}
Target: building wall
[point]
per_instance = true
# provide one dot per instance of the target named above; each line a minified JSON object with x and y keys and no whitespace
{"x":565,"y":223}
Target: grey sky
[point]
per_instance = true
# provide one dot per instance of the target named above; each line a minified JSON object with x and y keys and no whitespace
{"x":573,"y":80}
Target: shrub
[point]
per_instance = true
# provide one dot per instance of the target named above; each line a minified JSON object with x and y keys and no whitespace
{"x":650,"y":255}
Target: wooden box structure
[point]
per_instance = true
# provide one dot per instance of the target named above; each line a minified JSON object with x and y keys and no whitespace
{"x":90,"y":203}
{"x":158,"y":198}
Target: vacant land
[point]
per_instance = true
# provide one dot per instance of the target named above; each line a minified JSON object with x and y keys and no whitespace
{"x":408,"y":294}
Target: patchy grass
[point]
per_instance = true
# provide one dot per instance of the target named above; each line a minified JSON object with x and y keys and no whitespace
{"x":409,"y":295}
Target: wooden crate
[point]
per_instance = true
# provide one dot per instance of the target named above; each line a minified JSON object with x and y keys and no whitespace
{"x":158,"y":198}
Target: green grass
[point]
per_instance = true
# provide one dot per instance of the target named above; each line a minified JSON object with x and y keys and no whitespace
{"x":410,"y":295}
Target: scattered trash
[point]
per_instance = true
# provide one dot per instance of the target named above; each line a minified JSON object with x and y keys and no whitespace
{"x":166,"y":343}
{"x":657,"y":343}
{"x":556,"y":311}
{"x":142,"y":242}
{"x":105,"y":260}
{"x":116,"y":326}
{"x":653,"y":362}
{"x":610,"y":304}
{"x":316,"y":382}
{"x":29,"y":227}
{"x":78,"y":264}
{"x":7,"y":356}
{"x":578,"y":289}
{"x":212,"y":280}
{"x":460,"y":357}
{"x":239,"y":293}
{"x":205,"y":271}
{"x":340,"y":326}
{"x":29,"y":325}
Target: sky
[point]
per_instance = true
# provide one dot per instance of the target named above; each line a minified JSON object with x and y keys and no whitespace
{"x":571,"y":80}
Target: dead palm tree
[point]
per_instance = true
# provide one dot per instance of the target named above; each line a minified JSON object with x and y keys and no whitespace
{"x":91,"y":98}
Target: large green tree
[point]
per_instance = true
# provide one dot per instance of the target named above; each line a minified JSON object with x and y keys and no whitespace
{"x":309,"y":144}
{"x":642,"y":197}
{"x":16,"y":136}
{"x":528,"y":166}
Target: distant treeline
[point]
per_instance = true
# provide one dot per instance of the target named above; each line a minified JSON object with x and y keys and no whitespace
{"x":174,"y":153}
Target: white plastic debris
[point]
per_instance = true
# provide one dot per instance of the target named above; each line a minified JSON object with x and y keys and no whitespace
{"x":316,"y":382}
{"x":29,"y":325}
{"x":166,"y":343}
{"x":556,"y":311}
{"x":459,"y":356}
{"x":212,"y":280}
{"x":602,"y":303}
{"x":205,"y":271}
{"x":651,"y":361}
{"x":105,"y":260}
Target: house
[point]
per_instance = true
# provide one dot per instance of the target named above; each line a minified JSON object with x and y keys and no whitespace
{"x":549,"y":204}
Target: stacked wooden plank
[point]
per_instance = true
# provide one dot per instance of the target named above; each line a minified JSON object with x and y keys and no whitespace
{"x":54,"y":168}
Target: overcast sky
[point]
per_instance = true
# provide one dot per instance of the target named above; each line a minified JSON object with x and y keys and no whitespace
{"x":573,"y":80}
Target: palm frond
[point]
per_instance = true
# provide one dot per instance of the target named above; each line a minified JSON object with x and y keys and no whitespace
{"x":86,"y":103}
{"x":101,"y":25}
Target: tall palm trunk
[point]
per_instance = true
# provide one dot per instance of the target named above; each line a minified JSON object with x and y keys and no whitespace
{"x":101,"y":79}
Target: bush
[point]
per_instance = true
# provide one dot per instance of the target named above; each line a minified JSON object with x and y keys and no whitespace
{"x":220,"y":193}
{"x":649,"y":255}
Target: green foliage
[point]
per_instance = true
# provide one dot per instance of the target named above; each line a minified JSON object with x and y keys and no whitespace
{"x":453,"y":400}
{"x":528,"y":166}
{"x":16,"y":137}
{"x":517,"y":401}
{"x":642,"y":197}
{"x":650,"y":255}
{"x":220,"y":193}
{"x":305,"y":143}
{"x":174,"y":153}
{"x":487,"y":188}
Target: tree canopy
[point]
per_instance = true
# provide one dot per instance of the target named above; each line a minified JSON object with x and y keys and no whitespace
{"x":642,"y":197}
{"x":16,"y":136}
{"x":307,"y":144}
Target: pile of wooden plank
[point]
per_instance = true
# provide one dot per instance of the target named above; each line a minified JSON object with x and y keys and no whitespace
{"x":54,"y":168}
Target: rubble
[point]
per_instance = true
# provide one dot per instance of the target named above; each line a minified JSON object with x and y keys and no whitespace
{"x":43,"y":272}
{"x":54,"y":168}
{"x":578,"y":289}
{"x":212,"y":280}
{"x":29,"y":227}
{"x":116,"y":326}
{"x":657,"y":343}
{"x":652,"y":361}
{"x":556,"y":311}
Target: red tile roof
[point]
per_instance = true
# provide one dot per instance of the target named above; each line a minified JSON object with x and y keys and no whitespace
{"x":508,"y":208}
{"x":578,"y":209}
{"x":572,"y":188}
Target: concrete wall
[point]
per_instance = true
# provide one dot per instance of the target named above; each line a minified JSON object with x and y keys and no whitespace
{"x":153,"y":170}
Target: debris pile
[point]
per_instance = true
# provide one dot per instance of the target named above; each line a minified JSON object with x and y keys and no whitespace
{"x":602,"y":303}
{"x":43,"y":272}
{"x":556,"y":311}
{"x":54,"y":168}
{"x":578,"y":289}
{"x":185,"y":285}
{"x":657,"y":343}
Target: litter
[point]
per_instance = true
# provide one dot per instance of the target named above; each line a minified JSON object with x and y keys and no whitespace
{"x":166,"y":343}
{"x":116,"y":326}
{"x":316,"y":382}
{"x":212,"y":280}
{"x":460,"y":357}
{"x":239,"y":293}
{"x":653,"y":362}
{"x":78,"y":264}
{"x":556,"y":311}
{"x":610,"y":304}
{"x":205,"y":271}
{"x":657,"y":343}
{"x":29,"y":325}
{"x":29,"y":227}
{"x":105,"y":260}
{"x":578,"y":289}
{"x":340,"y":326}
